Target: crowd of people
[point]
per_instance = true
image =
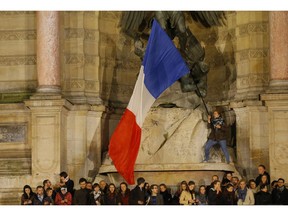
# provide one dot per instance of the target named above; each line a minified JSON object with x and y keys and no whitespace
{"x":229,"y":191}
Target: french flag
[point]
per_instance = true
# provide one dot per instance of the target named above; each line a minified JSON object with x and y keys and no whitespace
{"x":161,"y":67}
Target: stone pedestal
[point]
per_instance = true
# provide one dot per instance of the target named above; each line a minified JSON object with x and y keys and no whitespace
{"x":278,"y":133}
{"x":48,"y":128}
{"x":252,"y":137}
{"x":172,"y":149}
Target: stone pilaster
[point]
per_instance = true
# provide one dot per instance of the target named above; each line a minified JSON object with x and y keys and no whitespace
{"x":48,"y":58}
{"x":252,"y":54}
{"x":83,"y":140}
{"x":252,"y":137}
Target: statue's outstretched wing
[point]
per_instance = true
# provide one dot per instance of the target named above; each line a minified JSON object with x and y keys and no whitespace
{"x":131,"y":21}
{"x":209,"y":18}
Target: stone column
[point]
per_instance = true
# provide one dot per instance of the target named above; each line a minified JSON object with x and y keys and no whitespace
{"x":276,"y":97}
{"x":48,"y":109}
{"x":278,"y":23}
{"x":48,"y":59}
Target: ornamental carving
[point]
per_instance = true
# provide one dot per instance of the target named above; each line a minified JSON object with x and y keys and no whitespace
{"x":253,"y":53}
{"x":17,"y":60}
{"x":259,"y":27}
{"x":254,"y":80}
{"x":74,"y":85}
{"x":18,"y":35}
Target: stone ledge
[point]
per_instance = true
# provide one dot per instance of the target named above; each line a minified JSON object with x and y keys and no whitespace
{"x":173,"y":167}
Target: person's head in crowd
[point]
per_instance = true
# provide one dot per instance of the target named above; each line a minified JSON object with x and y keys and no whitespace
{"x":49,"y":192}
{"x":252,"y":184}
{"x":102,"y":185}
{"x":82,"y":183}
{"x":27,"y":190}
{"x":235,"y":181}
{"x":39,"y":190}
{"x":274,"y":184}
{"x":280,"y":182}
{"x":214,"y":178}
{"x":183,"y":186}
{"x":112,"y":188}
{"x":89,"y":186}
{"x":123,"y":186}
{"x":229,"y":187}
{"x":202,"y":190}
{"x":64,"y":177}
{"x":96,"y":187}
{"x":146,"y":186}
{"x":47,"y":183}
{"x":261,"y":169}
{"x":191,"y":185}
{"x":63,"y":190}
{"x":162,"y":187}
{"x":140,"y":182}
{"x":242,"y":184}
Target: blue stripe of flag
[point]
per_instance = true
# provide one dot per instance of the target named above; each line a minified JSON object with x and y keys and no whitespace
{"x":163,"y":64}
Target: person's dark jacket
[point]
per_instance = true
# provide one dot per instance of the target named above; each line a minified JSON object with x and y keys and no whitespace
{"x":214,"y":198}
{"x":37,"y":201}
{"x":229,"y":198}
{"x":111,"y":199}
{"x":137,"y":195}
{"x":81,"y":197}
{"x":217,"y":133}
{"x":124,"y":198}
{"x":280,"y":197}
{"x":167,"y":197}
{"x":263,"y":198}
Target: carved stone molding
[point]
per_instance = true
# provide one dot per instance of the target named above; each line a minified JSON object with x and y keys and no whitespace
{"x":17,"y":60}
{"x":5,"y":13}
{"x":18,"y":35}
{"x":253,"y":80}
{"x":250,"y":28}
{"x":77,"y":85}
{"x":90,"y":85}
{"x":80,"y":59}
{"x":73,"y":33}
{"x":253,"y":53}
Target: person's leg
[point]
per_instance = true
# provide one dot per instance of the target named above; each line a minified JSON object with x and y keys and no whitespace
{"x":225,"y":150}
{"x":208,"y":145}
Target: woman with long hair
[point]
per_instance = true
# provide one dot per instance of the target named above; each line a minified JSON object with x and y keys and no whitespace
{"x":27,"y":196}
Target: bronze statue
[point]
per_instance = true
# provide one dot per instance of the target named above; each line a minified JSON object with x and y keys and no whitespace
{"x":137,"y":24}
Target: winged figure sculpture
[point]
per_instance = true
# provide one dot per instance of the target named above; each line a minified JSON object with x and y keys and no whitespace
{"x":137,"y":25}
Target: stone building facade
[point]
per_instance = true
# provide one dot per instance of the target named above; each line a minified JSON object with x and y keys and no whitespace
{"x":66,"y":78}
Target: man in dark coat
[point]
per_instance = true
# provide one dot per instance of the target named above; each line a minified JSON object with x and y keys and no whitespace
{"x":137,"y":195}
{"x":280,"y":193}
{"x":81,"y":196}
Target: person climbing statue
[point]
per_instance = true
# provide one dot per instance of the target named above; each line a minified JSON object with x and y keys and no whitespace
{"x":217,"y":135}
